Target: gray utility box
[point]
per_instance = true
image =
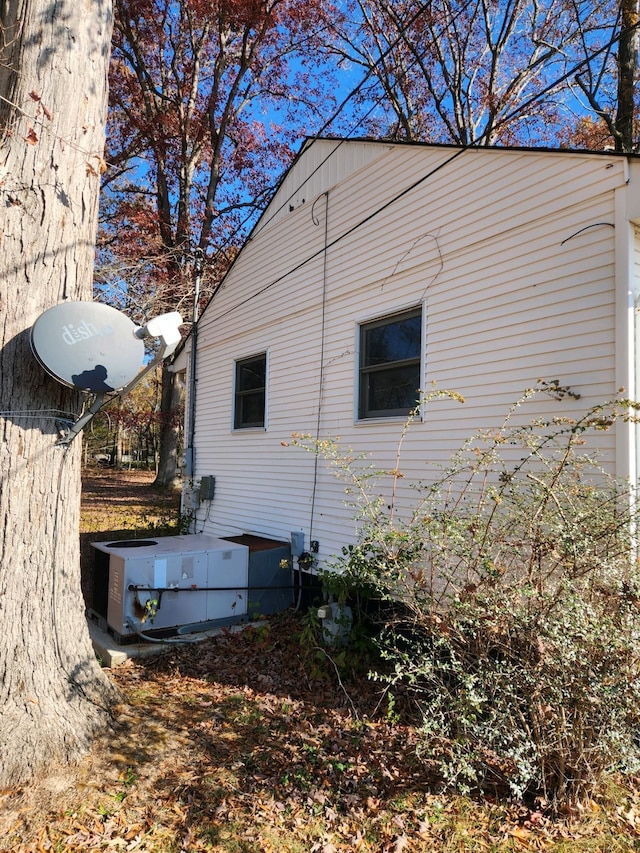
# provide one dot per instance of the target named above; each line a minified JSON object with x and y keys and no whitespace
{"x":270,"y":585}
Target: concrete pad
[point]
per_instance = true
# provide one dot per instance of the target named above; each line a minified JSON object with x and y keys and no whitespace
{"x":110,"y":653}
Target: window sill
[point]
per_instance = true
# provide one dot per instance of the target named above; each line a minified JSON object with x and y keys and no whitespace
{"x":391,"y":419}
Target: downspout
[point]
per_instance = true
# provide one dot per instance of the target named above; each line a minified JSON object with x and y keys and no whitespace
{"x":189,"y":453}
{"x":626,"y":333}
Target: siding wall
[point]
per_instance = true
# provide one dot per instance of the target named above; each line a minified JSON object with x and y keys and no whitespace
{"x":490,"y":242}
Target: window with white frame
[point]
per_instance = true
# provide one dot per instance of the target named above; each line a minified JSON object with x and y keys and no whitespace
{"x":250,"y":392}
{"x":389,"y":370}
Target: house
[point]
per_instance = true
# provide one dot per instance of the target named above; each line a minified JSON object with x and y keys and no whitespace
{"x":482,"y":270}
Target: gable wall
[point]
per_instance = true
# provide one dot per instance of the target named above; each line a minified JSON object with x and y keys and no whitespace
{"x":321,"y":165}
{"x":490,"y":243}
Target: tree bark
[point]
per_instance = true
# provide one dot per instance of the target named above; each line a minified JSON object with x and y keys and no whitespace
{"x":627,"y":74}
{"x":53,"y":70}
{"x":170,"y":408}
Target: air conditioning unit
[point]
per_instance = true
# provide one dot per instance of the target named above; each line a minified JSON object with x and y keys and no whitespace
{"x":165,"y":584}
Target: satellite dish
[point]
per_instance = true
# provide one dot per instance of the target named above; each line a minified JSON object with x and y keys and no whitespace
{"x":93,"y":347}
{"x":88,"y":345}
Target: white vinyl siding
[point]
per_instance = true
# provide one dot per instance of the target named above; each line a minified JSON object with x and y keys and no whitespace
{"x":514,"y":291}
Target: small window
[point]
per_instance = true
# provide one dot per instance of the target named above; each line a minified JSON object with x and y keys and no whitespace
{"x":251,"y":376}
{"x":389,"y":376}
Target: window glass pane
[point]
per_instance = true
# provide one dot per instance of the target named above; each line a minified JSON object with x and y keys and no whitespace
{"x":396,"y":388}
{"x":251,"y":374}
{"x":394,"y":341}
{"x":252,"y":409}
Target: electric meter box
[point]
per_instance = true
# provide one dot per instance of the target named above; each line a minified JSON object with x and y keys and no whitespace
{"x":165,"y":584}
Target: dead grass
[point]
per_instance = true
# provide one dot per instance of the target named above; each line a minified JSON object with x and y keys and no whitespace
{"x":125,"y":501}
{"x":119,"y":505}
{"x":248,"y":742}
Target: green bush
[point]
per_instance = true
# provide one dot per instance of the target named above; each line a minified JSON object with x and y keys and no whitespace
{"x":517,"y":605}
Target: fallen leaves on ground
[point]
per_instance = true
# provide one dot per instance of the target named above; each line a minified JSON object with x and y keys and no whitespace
{"x":251,"y":742}
{"x":238,"y":744}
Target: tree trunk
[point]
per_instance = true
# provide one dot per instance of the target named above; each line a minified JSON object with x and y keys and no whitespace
{"x":53,"y":69}
{"x":627,"y":73}
{"x":169,"y":430}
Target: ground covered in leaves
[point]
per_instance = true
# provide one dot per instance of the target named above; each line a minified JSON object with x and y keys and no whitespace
{"x":258,"y":741}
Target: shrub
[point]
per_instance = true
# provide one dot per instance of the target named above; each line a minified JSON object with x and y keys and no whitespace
{"x":518,"y":611}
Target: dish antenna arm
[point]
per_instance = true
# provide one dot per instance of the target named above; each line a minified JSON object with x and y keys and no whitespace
{"x":69,"y":431}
